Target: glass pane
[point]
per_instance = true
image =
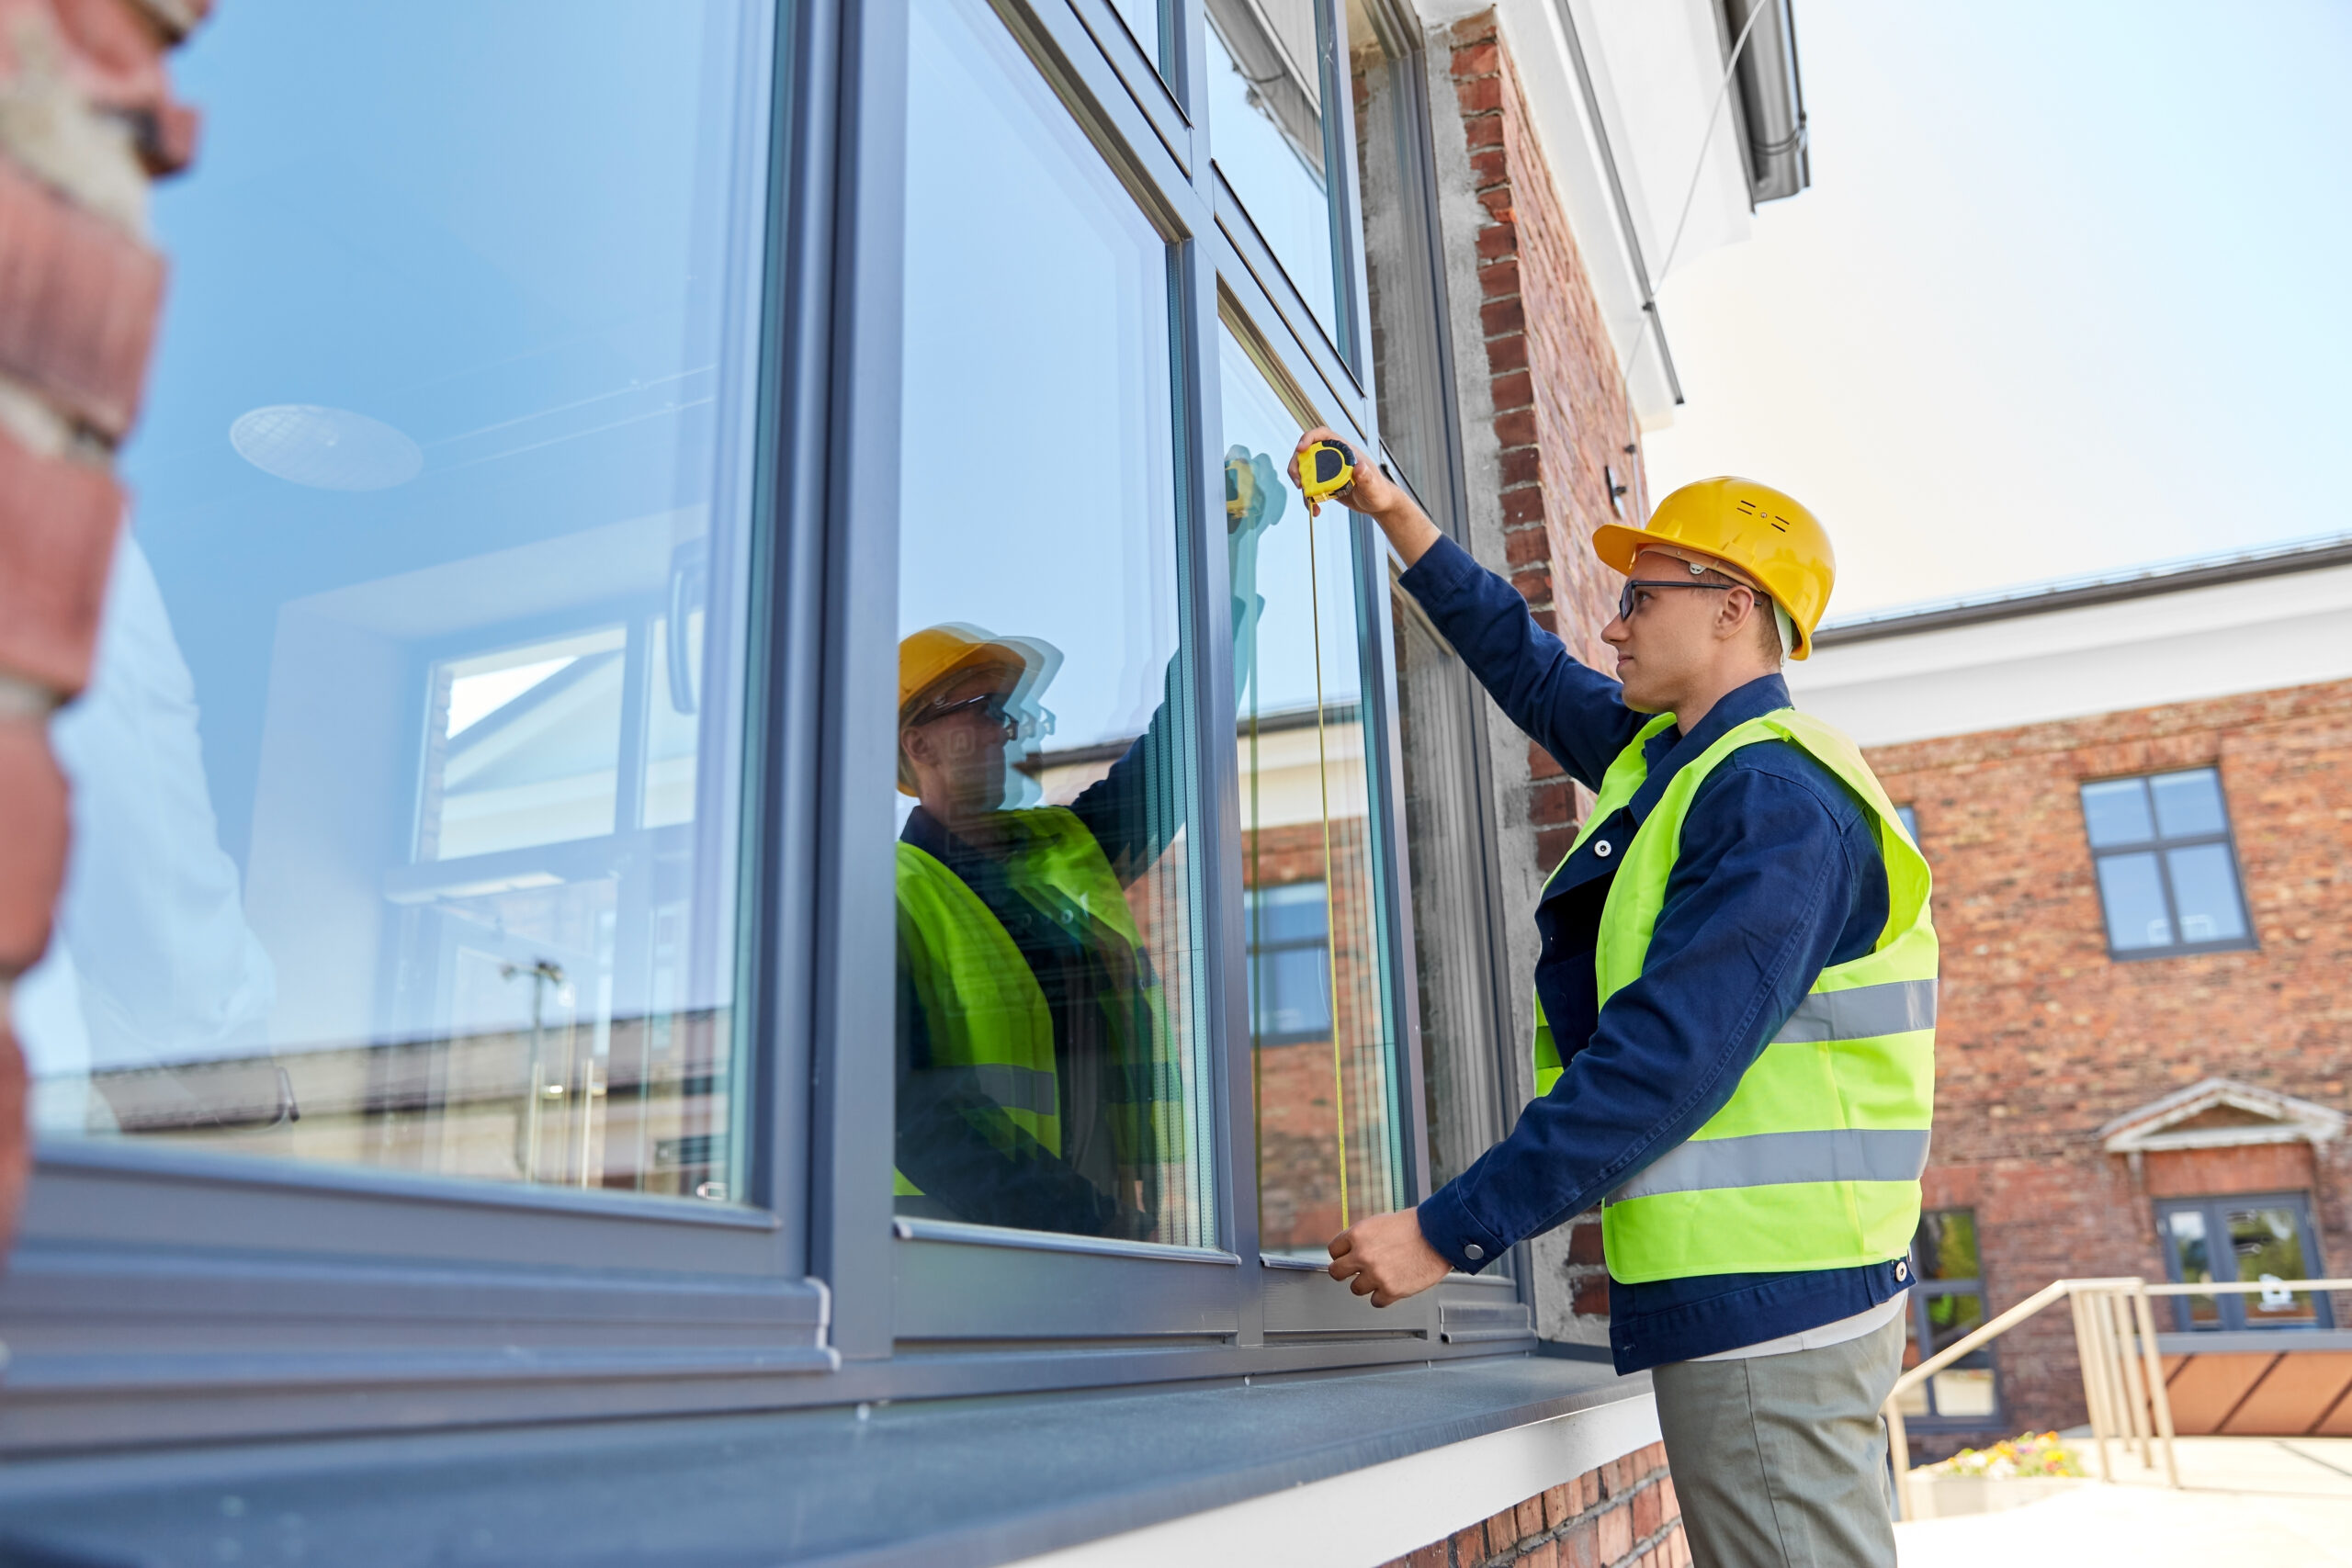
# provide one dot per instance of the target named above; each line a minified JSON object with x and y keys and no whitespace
{"x":2205,"y":885}
{"x":1910,"y":820}
{"x":1266,"y":130}
{"x":2268,"y":1244}
{"x":1963,"y":1392}
{"x":406,"y":837}
{"x":1328,"y":1148}
{"x":2189,"y":803}
{"x":2192,"y":1265}
{"x":1437,"y":728}
{"x":1952,"y":1319}
{"x":2116,"y":812}
{"x":1049,"y":1069}
{"x":1946,"y":1246}
{"x":2134,"y":897}
{"x":1142,"y":18}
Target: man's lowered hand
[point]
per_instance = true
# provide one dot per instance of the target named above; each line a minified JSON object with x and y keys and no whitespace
{"x":1386,"y":1257}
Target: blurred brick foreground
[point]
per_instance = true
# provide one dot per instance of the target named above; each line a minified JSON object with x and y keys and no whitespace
{"x":86,"y":121}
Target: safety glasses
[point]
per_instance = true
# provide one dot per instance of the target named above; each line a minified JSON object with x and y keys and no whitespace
{"x":1625,"y":601}
{"x":997,"y":708}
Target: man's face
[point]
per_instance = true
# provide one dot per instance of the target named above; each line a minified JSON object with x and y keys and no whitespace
{"x":1669,"y":642}
{"x":957,"y":755}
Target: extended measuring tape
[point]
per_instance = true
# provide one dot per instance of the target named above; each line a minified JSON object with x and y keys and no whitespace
{"x":1325,"y":469}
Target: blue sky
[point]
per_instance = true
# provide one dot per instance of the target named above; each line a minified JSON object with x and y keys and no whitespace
{"x":2069,"y":293}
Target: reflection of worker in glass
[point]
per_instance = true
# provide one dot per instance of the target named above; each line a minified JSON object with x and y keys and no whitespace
{"x":1038,"y":1078}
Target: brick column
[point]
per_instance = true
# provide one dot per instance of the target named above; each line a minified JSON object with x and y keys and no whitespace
{"x":86,"y":119}
{"x":1561,"y":420}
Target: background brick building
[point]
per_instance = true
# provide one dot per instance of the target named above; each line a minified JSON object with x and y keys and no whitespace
{"x":2106,"y":1057}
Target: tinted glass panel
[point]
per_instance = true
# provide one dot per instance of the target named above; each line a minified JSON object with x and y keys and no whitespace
{"x":1910,"y":820}
{"x":2205,"y":890}
{"x":2268,"y":1246}
{"x":2116,"y":812}
{"x":2192,"y":1263}
{"x":1049,"y":1075}
{"x":2189,"y":803}
{"x":406,"y":828}
{"x":1329,"y":1140}
{"x":2134,"y":897}
{"x":1265,"y":70}
{"x":1952,"y":1318}
{"x":1444,"y":828}
{"x":1946,"y":1249}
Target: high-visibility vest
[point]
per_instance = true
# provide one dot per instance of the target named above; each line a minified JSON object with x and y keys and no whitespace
{"x":986,"y":1016}
{"x":1815,"y":1162}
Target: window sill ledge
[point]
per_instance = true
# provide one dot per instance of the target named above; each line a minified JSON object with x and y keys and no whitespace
{"x":966,"y":1481}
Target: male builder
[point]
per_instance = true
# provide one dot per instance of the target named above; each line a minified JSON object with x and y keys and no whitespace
{"x":1734,"y":1016}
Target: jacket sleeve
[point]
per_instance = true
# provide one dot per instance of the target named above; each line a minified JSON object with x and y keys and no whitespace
{"x":1571,"y":710}
{"x":1755,"y":907}
{"x":1132,"y":810}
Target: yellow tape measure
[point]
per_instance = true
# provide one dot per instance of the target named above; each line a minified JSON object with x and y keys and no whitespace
{"x":1324,"y":469}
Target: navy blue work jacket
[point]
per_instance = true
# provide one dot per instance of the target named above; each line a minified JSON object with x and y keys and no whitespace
{"x":1778,"y":878}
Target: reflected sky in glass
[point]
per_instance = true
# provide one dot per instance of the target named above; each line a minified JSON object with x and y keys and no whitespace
{"x":398,"y":801}
{"x":1266,"y":132}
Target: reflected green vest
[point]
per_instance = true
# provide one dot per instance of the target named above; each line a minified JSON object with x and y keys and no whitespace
{"x":986,"y":1016}
{"x":1815,"y":1162}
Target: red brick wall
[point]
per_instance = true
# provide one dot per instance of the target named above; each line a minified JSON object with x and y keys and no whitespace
{"x":1559,"y":402}
{"x":2043,"y":1038}
{"x":1622,"y":1516}
{"x":86,"y":118}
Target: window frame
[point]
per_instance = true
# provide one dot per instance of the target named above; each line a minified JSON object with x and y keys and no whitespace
{"x":389,"y":1299}
{"x":2156,"y":845}
{"x":811,"y":1292}
{"x":1925,"y":1290}
{"x":2233,"y":1315}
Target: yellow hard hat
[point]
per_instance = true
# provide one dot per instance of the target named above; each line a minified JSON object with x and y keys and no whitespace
{"x":930,"y":658}
{"x":1756,"y":529}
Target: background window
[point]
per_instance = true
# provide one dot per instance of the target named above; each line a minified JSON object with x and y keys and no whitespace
{"x":1947,"y":1304}
{"x":1050,"y":1066}
{"x":2167,"y":873}
{"x":1330,"y":1138}
{"x":1290,"y":962}
{"x":2243,"y":1239}
{"x":1910,"y":819}
{"x":406,"y":787}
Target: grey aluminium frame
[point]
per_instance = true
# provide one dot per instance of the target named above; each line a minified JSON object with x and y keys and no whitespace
{"x":157,"y":1295}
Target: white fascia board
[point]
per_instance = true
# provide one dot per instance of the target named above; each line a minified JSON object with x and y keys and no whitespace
{"x":1380,"y":1513}
{"x":1659,"y":75}
{"x":2267,"y":634}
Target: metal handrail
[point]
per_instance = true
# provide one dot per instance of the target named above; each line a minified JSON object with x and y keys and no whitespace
{"x":2115,"y":1342}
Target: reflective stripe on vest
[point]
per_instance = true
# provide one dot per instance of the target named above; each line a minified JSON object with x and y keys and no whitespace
{"x":990,"y":1029}
{"x":1815,"y":1162}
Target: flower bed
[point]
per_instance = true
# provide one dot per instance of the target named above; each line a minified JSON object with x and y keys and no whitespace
{"x":2009,"y":1474}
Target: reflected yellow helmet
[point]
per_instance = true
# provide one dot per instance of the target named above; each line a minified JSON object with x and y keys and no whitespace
{"x":929,"y":660}
{"x":1758,"y":530}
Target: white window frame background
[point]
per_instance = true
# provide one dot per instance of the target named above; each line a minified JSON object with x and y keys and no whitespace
{"x":161,"y":1296}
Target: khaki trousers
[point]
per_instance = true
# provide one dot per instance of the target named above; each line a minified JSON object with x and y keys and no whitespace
{"x":1780,"y":1462}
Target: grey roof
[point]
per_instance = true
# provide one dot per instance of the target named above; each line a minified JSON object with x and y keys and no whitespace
{"x":2174,"y":577}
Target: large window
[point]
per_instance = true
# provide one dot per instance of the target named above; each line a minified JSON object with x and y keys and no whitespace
{"x":407,"y":788}
{"x":2168,"y":872}
{"x":2244,"y":1240}
{"x":1947,"y":1305}
{"x":1050,"y":1069}
{"x":721,"y":752}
